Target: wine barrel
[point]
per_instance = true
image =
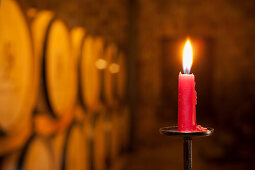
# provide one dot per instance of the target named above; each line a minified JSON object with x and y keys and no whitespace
{"x":17,"y":77}
{"x":125,"y":126}
{"x":58,"y":139}
{"x":58,"y":143}
{"x":58,"y":88}
{"x":122,"y":78}
{"x":99,"y":159}
{"x":110,"y":83}
{"x":36,"y":154}
{"x":17,"y":69}
{"x":77,"y":36}
{"x":91,"y":66}
{"x":76,"y":149}
{"x":116,"y":131}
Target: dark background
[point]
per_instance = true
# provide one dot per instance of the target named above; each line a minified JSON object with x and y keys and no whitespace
{"x":152,"y":34}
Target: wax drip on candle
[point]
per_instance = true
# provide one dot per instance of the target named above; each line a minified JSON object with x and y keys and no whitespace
{"x":187,"y":57}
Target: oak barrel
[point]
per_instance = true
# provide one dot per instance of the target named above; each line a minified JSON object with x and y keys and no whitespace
{"x":75,"y":155}
{"x":116,"y":131}
{"x":17,"y":69}
{"x":99,"y":129}
{"x":77,"y":37}
{"x":91,"y":66}
{"x":58,"y":143}
{"x":58,"y":88}
{"x":59,"y":140}
{"x":110,"y":83}
{"x":36,"y":154}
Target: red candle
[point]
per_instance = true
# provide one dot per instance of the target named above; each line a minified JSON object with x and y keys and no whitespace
{"x":187,"y":97}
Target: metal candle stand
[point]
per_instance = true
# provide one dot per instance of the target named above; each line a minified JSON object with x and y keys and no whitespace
{"x":187,"y":145}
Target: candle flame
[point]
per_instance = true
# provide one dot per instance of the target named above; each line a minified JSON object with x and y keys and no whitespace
{"x":187,"y":57}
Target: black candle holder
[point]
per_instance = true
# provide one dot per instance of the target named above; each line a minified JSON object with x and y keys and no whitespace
{"x":187,"y":137}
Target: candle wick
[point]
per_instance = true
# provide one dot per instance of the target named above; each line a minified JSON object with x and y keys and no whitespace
{"x":186,"y":71}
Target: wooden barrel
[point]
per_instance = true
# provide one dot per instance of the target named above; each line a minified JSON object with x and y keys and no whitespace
{"x":122,"y":78}
{"x":17,"y":77}
{"x":58,"y":141}
{"x":58,"y":88}
{"x":77,"y":37}
{"x":36,"y":154}
{"x":76,"y":150}
{"x":17,"y":64}
{"x":125,"y":126}
{"x":116,"y":137}
{"x":91,"y":66}
{"x":99,"y":159}
{"x":109,"y":75}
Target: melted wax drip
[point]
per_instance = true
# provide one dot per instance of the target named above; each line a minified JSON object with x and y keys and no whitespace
{"x":200,"y":128}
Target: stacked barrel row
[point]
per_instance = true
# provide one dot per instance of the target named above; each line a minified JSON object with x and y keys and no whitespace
{"x":62,"y":94}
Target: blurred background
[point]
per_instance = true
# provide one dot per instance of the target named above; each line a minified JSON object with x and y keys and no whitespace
{"x":86,"y":84}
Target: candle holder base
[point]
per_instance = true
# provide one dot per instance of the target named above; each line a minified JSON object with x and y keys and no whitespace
{"x":187,"y":137}
{"x":173,"y":131}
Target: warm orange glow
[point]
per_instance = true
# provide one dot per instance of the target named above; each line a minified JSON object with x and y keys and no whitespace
{"x":114,"y":68}
{"x":101,"y":64}
{"x":187,"y":57}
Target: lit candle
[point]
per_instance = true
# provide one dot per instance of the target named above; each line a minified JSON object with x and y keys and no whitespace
{"x":187,"y":97}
